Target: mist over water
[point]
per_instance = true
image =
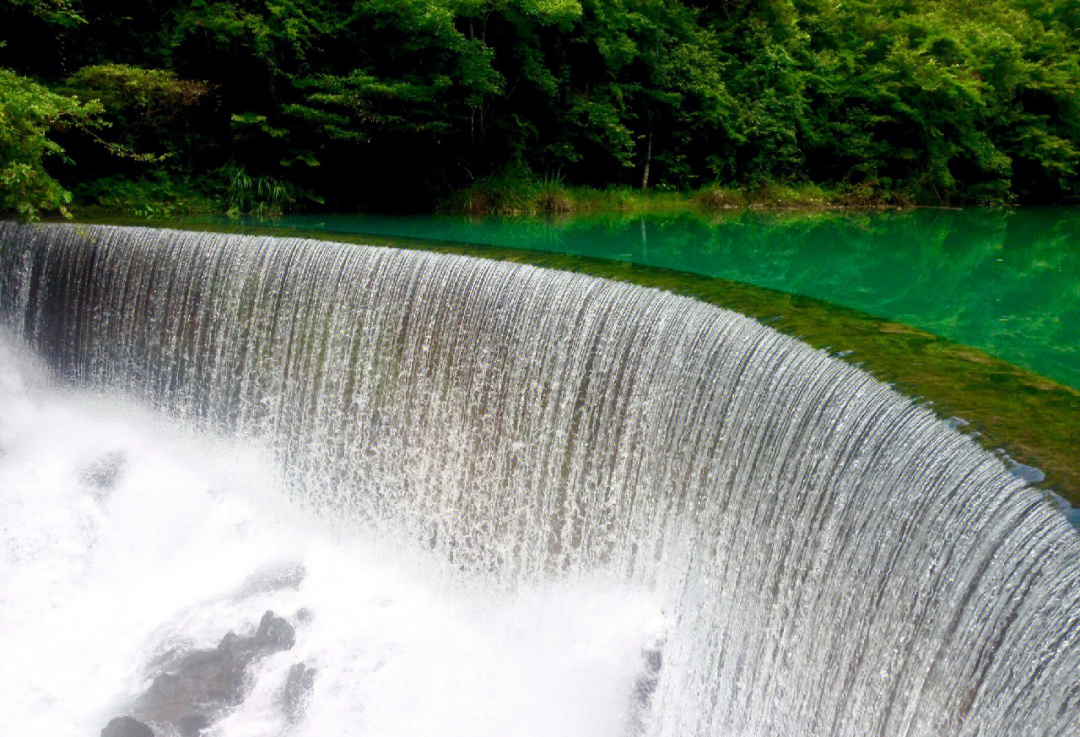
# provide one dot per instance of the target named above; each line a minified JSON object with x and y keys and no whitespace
{"x":502,"y":483}
{"x":100,"y":582}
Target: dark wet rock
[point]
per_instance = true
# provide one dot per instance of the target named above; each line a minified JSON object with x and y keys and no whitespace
{"x":297,"y":689}
{"x":102,"y":474}
{"x":126,"y":727}
{"x":274,"y":633}
{"x":275,"y":578}
{"x":304,"y":615}
{"x":193,"y":725}
{"x":198,"y":687}
{"x":653,"y":661}
{"x":201,"y":678}
{"x":166,"y":654}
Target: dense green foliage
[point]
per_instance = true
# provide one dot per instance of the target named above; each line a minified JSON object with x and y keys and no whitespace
{"x":264,"y":105}
{"x":28,"y":112}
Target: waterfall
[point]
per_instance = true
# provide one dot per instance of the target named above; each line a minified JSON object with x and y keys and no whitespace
{"x":833,"y":559}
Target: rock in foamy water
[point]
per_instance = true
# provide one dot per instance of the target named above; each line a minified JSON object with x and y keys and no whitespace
{"x":126,"y":727}
{"x":274,"y":634}
{"x":273,"y":578}
{"x":199,"y":687}
{"x":297,"y":689}
{"x":103,"y":473}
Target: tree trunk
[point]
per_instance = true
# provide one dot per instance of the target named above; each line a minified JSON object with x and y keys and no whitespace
{"x":648,"y":161}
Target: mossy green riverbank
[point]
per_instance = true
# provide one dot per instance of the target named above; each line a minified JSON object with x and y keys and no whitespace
{"x":508,"y":196}
{"x":240,"y":195}
{"x":1033,"y":419}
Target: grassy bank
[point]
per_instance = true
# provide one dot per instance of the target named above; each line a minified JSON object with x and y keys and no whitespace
{"x":226,"y":191}
{"x":505,"y":195}
{"x":151,"y":197}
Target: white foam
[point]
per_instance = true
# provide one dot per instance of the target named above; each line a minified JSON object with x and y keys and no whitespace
{"x":94,"y":583}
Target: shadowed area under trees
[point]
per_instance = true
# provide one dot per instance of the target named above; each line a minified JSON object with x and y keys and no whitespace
{"x":160,"y":107}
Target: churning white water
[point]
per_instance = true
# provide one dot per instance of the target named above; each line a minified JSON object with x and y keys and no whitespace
{"x":100,"y":576}
{"x":503,"y":484}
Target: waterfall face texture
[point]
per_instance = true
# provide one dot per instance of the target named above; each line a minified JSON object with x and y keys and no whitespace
{"x":830,"y":557}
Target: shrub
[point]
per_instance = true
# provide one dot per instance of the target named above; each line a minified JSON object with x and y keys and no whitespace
{"x":28,"y":114}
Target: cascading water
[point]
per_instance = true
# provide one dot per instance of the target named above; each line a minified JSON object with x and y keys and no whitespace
{"x":829,"y":557}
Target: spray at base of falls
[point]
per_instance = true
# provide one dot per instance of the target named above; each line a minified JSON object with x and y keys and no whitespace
{"x":103,"y":576}
{"x":832,"y":558}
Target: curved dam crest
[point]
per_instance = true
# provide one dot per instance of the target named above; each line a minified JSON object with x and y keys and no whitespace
{"x":834,"y":559}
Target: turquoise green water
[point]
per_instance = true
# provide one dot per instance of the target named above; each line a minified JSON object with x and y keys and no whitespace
{"x":1004,"y":281}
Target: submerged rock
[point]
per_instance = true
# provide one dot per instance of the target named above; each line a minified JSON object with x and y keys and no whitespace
{"x":274,"y":578}
{"x":297,"y":689}
{"x":652,"y":660}
{"x":199,"y":686}
{"x":126,"y":727}
{"x":102,"y":474}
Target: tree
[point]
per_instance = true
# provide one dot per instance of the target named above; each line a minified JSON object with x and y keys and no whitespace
{"x":28,"y":114}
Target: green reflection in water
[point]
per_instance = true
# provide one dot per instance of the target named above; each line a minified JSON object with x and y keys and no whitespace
{"x":1004,"y":281}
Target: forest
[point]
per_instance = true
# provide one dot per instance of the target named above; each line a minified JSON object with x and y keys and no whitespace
{"x":167,"y":107}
